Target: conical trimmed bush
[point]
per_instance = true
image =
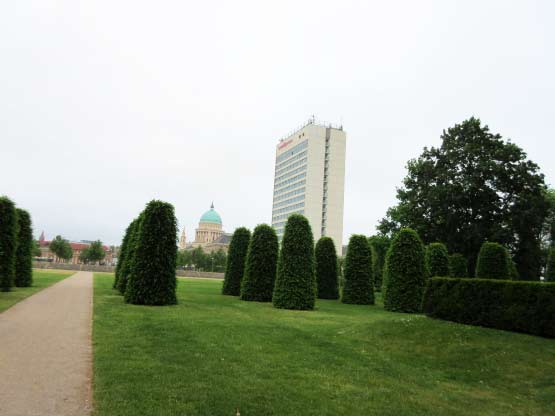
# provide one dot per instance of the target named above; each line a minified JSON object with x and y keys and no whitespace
{"x":127,"y":254}
{"x":405,"y":275}
{"x":458,"y":266}
{"x":24,"y":251}
{"x":152,"y":280}
{"x":359,"y":282}
{"x":295,"y":286}
{"x":493,"y":262}
{"x":261,"y":265}
{"x":8,"y":243}
{"x":236,"y":259}
{"x":326,"y":269}
{"x":437,"y":260}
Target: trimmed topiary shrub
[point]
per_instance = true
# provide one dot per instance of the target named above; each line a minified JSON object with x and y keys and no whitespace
{"x":513,"y":270}
{"x":24,"y":251}
{"x":405,"y":276}
{"x":128,"y":255}
{"x":237,"y":256}
{"x":379,"y":245}
{"x":359,"y":282}
{"x":295,"y":286}
{"x":550,"y":268}
{"x":458,"y":266}
{"x":122,"y":253}
{"x":493,"y":262}
{"x":152,"y":280}
{"x":437,"y":260}
{"x":261,"y":265}
{"x":326,"y":269}
{"x":503,"y":304}
{"x":8,"y":243}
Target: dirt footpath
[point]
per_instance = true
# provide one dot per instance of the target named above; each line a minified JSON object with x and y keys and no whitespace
{"x":46,"y":351}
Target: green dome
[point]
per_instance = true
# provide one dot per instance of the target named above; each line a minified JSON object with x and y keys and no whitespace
{"x":211,"y":216}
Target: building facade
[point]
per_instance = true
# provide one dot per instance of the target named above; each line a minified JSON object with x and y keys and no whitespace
{"x":310,"y":180}
{"x":209,"y":235}
{"x":77,"y":247}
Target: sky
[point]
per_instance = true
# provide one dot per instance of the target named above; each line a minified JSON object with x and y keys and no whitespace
{"x":105,"y":105}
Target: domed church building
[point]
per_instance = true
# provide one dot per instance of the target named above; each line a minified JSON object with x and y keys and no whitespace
{"x":209,"y":235}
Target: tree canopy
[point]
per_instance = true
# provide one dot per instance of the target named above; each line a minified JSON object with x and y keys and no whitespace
{"x":475,"y":187}
{"x":61,"y":248}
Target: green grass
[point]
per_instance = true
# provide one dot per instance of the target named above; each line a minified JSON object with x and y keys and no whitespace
{"x":211,"y":354}
{"x":41,"y":280}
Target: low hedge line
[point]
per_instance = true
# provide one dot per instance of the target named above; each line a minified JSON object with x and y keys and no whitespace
{"x":503,"y":304}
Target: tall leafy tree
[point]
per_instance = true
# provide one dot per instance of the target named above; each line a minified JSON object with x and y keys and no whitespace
{"x":96,"y":251}
{"x":8,"y":243}
{"x":238,"y":248}
{"x":61,"y":248}
{"x":359,"y":282}
{"x":295,"y":286}
{"x":326,"y":269}
{"x":474,"y":187}
{"x":550,"y":269}
{"x":24,"y":252}
{"x":261,"y":265}
{"x":152,"y":280}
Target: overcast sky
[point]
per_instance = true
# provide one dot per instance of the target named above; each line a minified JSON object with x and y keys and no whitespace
{"x":105,"y":105}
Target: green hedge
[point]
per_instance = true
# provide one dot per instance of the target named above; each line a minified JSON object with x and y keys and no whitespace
{"x":437,"y":260}
{"x":493,"y":262}
{"x":550,"y":268}
{"x":261,"y":265}
{"x":236,"y":259}
{"x":24,"y":252}
{"x":295,"y":286}
{"x":503,"y":304}
{"x":8,"y":243}
{"x":326,"y":269}
{"x":152,"y":280}
{"x":359,"y":282}
{"x":458,"y":266}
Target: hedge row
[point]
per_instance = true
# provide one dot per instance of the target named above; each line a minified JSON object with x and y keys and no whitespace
{"x":503,"y":304}
{"x":16,"y":246}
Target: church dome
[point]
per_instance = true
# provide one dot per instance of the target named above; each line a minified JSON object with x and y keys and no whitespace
{"x":211,"y":216}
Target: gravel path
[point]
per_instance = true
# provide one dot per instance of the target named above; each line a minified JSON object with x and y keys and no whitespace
{"x":46,"y":352}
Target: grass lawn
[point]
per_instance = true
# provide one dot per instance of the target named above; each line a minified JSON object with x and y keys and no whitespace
{"x":212,"y":354}
{"x":41,"y":280}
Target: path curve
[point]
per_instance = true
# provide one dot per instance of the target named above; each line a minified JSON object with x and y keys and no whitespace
{"x":46,"y":351}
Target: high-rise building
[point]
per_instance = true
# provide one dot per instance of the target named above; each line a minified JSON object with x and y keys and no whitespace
{"x":310,"y":180}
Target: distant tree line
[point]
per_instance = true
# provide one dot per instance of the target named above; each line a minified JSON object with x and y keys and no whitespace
{"x":200,"y":260}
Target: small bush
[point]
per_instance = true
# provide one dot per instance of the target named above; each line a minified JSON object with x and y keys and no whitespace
{"x":24,"y":251}
{"x":550,"y":269}
{"x":359,"y":282}
{"x":405,"y":275}
{"x":379,"y":245}
{"x":127,"y":255}
{"x":295,"y":286}
{"x":261,"y":265}
{"x":503,"y":304}
{"x":8,"y":243}
{"x":152,"y":280}
{"x":326,"y":269}
{"x":493,"y":262}
{"x":458,"y":266}
{"x":236,"y":259}
{"x":437,"y":260}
